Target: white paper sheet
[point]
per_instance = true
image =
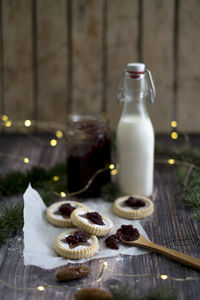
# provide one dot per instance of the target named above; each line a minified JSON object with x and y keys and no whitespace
{"x":39,"y":235}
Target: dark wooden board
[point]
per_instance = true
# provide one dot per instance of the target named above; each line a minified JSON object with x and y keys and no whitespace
{"x":170,"y":226}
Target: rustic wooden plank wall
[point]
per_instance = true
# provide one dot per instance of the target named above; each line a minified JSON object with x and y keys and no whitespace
{"x":122,"y":47}
{"x":18,"y":99}
{"x":67,"y":55}
{"x":51,"y":23}
{"x":157,"y":53}
{"x":188,"y":89}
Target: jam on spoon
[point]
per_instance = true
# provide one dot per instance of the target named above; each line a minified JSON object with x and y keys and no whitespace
{"x":125,"y":232}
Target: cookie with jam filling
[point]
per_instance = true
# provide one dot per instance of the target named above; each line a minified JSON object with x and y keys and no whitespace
{"x":76,"y":244}
{"x":133,"y":207}
{"x":91,"y":222}
{"x":59,"y":213}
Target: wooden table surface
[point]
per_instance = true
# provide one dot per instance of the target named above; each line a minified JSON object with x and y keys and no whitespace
{"x":170,"y":226}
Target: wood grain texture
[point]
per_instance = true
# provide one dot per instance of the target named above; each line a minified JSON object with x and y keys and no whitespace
{"x":157,"y":47}
{"x":188,"y":72}
{"x":122,"y":39}
{"x":17,"y":43}
{"x":87,"y":55}
{"x":58,"y":56}
{"x":170,"y":226}
{"x":52,"y":60}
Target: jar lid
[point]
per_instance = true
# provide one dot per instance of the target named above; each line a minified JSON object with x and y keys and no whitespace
{"x":136,"y":67}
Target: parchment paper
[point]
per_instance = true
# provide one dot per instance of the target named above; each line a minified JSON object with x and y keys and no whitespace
{"x":39,"y":235}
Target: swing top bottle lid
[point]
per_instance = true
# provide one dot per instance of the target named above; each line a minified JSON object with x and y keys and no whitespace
{"x":136,"y":67}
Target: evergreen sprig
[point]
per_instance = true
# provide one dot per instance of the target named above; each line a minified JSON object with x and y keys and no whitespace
{"x":11,"y":216}
{"x":16,"y":182}
{"x":190,"y":189}
{"x":185,"y":154}
{"x":122,"y":292}
{"x":11,"y":220}
{"x":110,"y":192}
{"x":189,"y":176}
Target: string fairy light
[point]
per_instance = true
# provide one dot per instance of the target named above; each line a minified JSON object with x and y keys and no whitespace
{"x":171,"y":161}
{"x":63,"y":194}
{"x":27,"y":123}
{"x":58,"y":128}
{"x":55,"y":178}
{"x":8,"y":123}
{"x":114,"y":172}
{"x":26,"y":160}
{"x":111,"y":166}
{"x":4,"y":118}
{"x":164,"y":277}
{"x":173,"y":124}
{"x":174,"y":135}
{"x":59,"y":134}
{"x":53,"y":142}
{"x":105,"y":265}
{"x":40,"y":288}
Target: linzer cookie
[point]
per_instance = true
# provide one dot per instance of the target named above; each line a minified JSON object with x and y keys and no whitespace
{"x":91,"y":222}
{"x":76,"y":244}
{"x":133,"y":207}
{"x":58,"y":214}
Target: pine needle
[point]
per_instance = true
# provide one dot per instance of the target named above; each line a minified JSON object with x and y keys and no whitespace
{"x":11,"y":220}
{"x":190,"y":192}
{"x":122,"y":292}
{"x":110,"y":192}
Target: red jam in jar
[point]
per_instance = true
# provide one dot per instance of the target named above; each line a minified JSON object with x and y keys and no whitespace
{"x":88,"y":150}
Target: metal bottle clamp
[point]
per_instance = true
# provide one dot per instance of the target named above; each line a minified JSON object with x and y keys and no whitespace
{"x":120,"y":90}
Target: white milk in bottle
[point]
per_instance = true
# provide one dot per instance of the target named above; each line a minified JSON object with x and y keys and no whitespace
{"x":135,"y":134}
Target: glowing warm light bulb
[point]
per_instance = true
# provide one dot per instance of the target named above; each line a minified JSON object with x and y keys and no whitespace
{"x":62,"y":194}
{"x":174,"y":124}
{"x":41,"y":288}
{"x":111,"y":166}
{"x":55,"y":178}
{"x":4,"y":118}
{"x":53,"y":142}
{"x":26,"y":160}
{"x":105,"y":265}
{"x":163,"y":277}
{"x":171,"y":161}
{"x":113,"y":172}
{"x":27,"y":123}
{"x":59,"y":134}
{"x":174,"y":135}
{"x":8,"y":123}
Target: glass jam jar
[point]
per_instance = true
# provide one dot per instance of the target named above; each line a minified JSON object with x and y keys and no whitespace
{"x":88,"y":150}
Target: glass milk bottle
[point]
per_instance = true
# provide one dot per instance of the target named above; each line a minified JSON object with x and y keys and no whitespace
{"x":135,"y":133}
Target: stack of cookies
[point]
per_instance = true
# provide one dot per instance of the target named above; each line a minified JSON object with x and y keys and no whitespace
{"x":80,"y":242}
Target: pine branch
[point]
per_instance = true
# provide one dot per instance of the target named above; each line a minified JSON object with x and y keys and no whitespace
{"x":110,"y":192}
{"x":186,"y":154}
{"x":11,"y":220}
{"x":122,"y":292}
{"x":190,"y":191}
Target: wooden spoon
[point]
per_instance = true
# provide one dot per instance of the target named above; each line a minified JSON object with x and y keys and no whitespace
{"x":181,"y":257}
